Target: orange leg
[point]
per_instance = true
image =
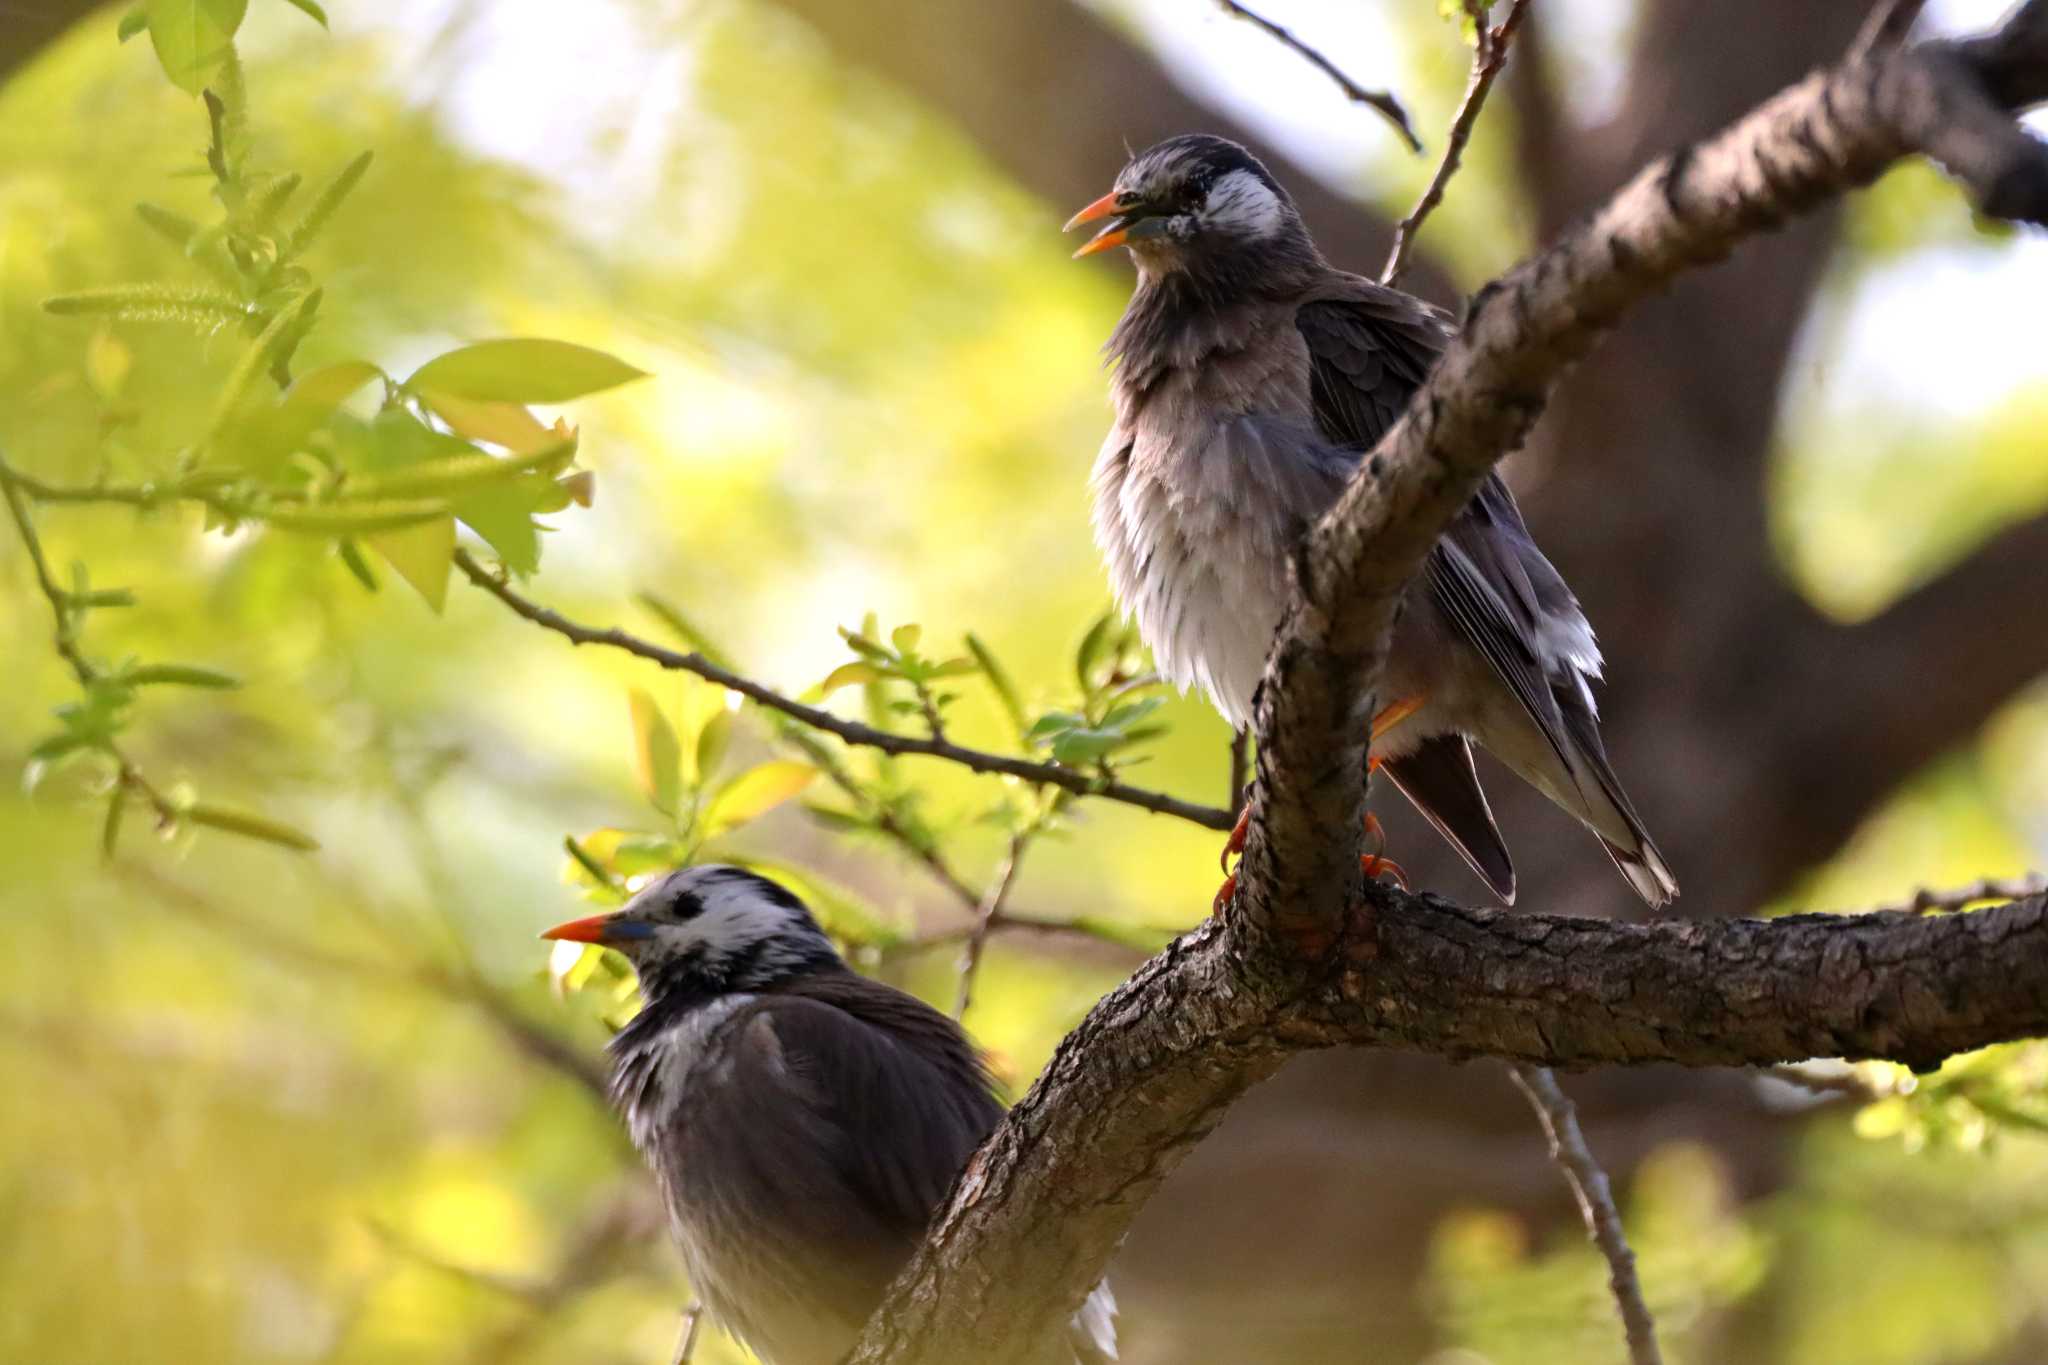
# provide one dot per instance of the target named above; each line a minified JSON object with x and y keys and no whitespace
{"x":1374,"y":864}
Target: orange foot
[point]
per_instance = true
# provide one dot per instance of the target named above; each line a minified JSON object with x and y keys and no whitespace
{"x":1374,"y":864}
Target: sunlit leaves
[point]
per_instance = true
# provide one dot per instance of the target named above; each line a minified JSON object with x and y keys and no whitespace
{"x":657,"y":758}
{"x":1967,"y":1103}
{"x":1113,"y":713}
{"x":898,"y":661}
{"x":754,"y":793}
{"x":522,"y":370}
{"x":422,"y":555}
{"x":193,"y":37}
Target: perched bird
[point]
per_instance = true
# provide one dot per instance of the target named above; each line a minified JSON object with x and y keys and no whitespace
{"x":1250,"y":378}
{"x":803,"y":1121}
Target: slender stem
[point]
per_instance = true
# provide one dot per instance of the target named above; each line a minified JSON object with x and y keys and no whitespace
{"x":17,"y":488}
{"x":1383,"y":101}
{"x":977,"y":760}
{"x":985,"y":916}
{"x":686,"y":1340}
{"x":1560,"y":1120}
{"x":1489,"y":55}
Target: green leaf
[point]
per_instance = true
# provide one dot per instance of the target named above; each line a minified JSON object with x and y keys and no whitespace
{"x":1005,"y":690}
{"x":323,"y":207}
{"x":905,"y":638}
{"x":422,"y":555}
{"x":152,"y":303}
{"x":1091,"y":649}
{"x":174,"y":227}
{"x":110,"y":830}
{"x":682,"y":627}
{"x":180,"y":675}
{"x":755,"y":792}
{"x":132,"y":23}
{"x":503,"y":516}
{"x":712,"y":742}
{"x":462,"y":473}
{"x":310,"y":9}
{"x":847,"y":675}
{"x":352,"y":558}
{"x":354,"y":518}
{"x":657,"y":758}
{"x":511,"y":425}
{"x":861,"y":643}
{"x":1075,"y":747}
{"x":523,"y":370}
{"x":193,"y":37}
{"x":249,"y":826}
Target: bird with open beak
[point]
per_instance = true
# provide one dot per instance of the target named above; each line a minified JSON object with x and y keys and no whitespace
{"x":804,"y":1123}
{"x":1251,"y":377}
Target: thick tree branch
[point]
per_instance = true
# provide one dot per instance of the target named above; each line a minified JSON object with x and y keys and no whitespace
{"x":1832,"y":132}
{"x":1148,"y":1073}
{"x":1068,"y":779}
{"x":1307,"y":956}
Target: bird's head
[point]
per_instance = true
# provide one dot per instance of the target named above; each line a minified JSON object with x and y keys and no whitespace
{"x":709,"y":931}
{"x":1190,"y":202}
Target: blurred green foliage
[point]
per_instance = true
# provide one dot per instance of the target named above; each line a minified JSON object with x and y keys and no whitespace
{"x":275,"y":1105}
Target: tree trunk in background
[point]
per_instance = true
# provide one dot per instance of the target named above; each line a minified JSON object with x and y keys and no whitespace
{"x":1299,"y":1232}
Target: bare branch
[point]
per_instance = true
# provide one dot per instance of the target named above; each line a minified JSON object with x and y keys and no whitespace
{"x":1489,"y":55}
{"x":1928,"y":900}
{"x":976,"y":760}
{"x":686,"y":1340}
{"x":1383,"y":101}
{"x":1560,"y":1120}
{"x":985,"y":918}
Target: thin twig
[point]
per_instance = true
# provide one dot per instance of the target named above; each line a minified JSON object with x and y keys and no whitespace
{"x":1383,"y":101}
{"x":1886,"y":28}
{"x":1844,"y":1084}
{"x":1489,"y":55}
{"x":686,"y":1341}
{"x":1930,"y":900}
{"x":985,"y":915}
{"x":17,"y":488}
{"x":1589,"y":1186}
{"x":977,"y":760}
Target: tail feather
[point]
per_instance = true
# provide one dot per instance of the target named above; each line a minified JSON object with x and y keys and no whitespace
{"x":1621,"y":833}
{"x":1439,"y":780}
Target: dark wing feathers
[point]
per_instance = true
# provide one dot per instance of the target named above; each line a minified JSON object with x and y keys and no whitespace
{"x":1369,"y":349}
{"x":813,"y":1073}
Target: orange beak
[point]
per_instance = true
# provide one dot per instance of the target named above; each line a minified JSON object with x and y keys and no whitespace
{"x":590,"y":929}
{"x":1115,"y":235}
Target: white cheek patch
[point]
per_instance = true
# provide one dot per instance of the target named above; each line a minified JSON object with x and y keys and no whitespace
{"x":1241,"y":203}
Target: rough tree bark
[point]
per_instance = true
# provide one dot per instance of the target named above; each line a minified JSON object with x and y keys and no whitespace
{"x":1725,"y":709}
{"x":1306,"y":955}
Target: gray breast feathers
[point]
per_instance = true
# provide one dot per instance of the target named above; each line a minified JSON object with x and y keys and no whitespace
{"x":1197,"y":514}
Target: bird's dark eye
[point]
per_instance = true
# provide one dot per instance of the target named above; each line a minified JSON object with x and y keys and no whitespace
{"x":1126,"y":198}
